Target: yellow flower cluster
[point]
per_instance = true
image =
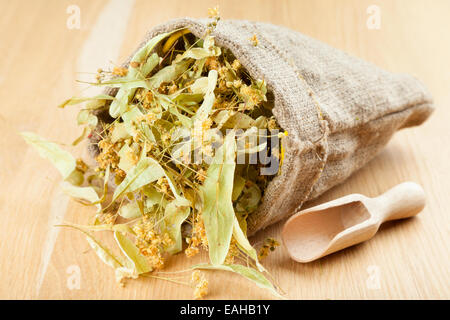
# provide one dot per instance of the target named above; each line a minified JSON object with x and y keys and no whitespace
{"x":108,"y":156}
{"x":119,"y":71}
{"x":198,"y":237}
{"x":200,"y":175}
{"x":251,"y":96}
{"x":212,"y":63}
{"x":269,"y":245}
{"x":148,"y":118}
{"x":213,"y":12}
{"x":82,"y":166}
{"x":151,"y":243}
{"x":145,"y":97}
{"x":164,"y":186}
{"x":200,"y":136}
{"x":254,"y":40}
{"x":272,"y":123}
{"x":107,"y":218}
{"x":124,"y":273}
{"x":201,"y":284}
{"x":232,"y":252}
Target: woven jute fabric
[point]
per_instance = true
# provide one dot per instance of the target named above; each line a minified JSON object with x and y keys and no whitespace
{"x":339,"y":110}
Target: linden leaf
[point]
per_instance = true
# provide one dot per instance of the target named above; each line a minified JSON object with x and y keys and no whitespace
{"x":148,"y":66}
{"x":222,"y":117}
{"x":62,"y":160}
{"x":122,"y":83}
{"x":218,"y":212}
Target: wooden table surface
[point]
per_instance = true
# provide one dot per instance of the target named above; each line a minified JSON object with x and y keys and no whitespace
{"x":40,"y":59}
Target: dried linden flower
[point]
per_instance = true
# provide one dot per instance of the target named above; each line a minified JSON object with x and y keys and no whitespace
{"x":181,"y":97}
{"x":254,"y":40}
{"x":201,"y":284}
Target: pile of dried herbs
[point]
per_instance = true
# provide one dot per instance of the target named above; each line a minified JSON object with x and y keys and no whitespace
{"x":187,"y":123}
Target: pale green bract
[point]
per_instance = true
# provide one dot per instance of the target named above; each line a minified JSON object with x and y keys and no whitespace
{"x":153,"y":197}
{"x":168,"y":73}
{"x":151,"y":63}
{"x":83,"y":193}
{"x":208,"y":50}
{"x":78,"y":100}
{"x":102,"y":252}
{"x":126,"y":162}
{"x":128,"y":248}
{"x":200,"y":85}
{"x":85,"y":117}
{"x":238,"y":186}
{"x":146,"y":171}
{"x":130,"y":211}
{"x":122,"y":83}
{"x":119,"y":105}
{"x":62,"y":160}
{"x":124,"y":228}
{"x":208,"y":101}
{"x":218,"y":212}
{"x":238,"y":120}
{"x":244,"y":244}
{"x":119,"y":132}
{"x":247,"y":143}
{"x":250,"y":198}
{"x":175,"y":214}
{"x":84,"y":134}
{"x":249,"y":273}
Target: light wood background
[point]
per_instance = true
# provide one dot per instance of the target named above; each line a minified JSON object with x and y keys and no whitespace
{"x":40,"y":59}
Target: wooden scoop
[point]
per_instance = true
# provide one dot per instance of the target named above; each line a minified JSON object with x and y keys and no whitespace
{"x":344,"y":222}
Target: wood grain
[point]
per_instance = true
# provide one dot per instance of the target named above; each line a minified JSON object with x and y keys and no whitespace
{"x":38,"y":69}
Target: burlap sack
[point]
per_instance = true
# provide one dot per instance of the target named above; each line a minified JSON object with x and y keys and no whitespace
{"x":339,"y":110}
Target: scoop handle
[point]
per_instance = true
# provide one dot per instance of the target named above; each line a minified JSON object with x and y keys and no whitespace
{"x":402,"y":201}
